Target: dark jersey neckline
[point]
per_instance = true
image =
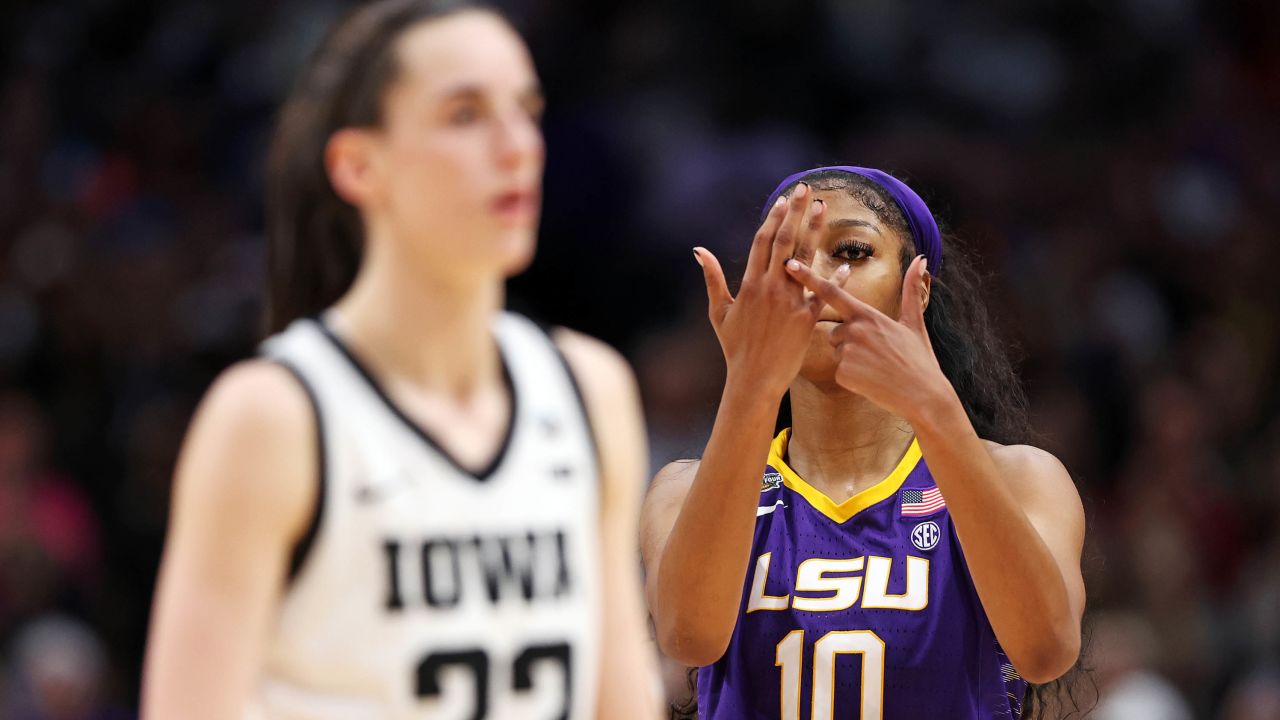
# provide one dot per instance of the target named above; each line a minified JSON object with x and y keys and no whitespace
{"x":480,"y":475}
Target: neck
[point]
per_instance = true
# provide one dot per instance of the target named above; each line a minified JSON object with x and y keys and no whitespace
{"x":429,"y":330}
{"x":843,"y":440}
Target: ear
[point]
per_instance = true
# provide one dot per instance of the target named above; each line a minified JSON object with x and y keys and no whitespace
{"x":916,"y":283}
{"x":349,"y":158}
{"x":926,"y":288}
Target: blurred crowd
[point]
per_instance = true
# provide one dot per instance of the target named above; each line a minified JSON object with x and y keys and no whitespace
{"x":1114,"y":166}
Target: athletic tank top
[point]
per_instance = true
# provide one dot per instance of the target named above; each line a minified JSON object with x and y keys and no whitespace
{"x":424,"y":590}
{"x":860,"y":610}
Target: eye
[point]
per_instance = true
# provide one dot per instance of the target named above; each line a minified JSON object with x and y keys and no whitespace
{"x":853,"y":250}
{"x":464,"y":114}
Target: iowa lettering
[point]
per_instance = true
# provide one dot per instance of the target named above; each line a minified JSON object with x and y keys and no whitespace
{"x":444,"y":572}
{"x":826,"y":585}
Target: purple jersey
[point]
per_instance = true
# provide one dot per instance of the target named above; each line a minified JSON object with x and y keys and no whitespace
{"x":861,"y":609}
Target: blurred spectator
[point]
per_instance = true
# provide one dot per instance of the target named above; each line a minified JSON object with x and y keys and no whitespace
{"x":1124,"y":647}
{"x":48,"y":534}
{"x":59,"y":671}
{"x":1254,"y":697}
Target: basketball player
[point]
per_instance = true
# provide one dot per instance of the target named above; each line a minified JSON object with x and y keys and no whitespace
{"x":403,"y":508}
{"x":903,"y":557}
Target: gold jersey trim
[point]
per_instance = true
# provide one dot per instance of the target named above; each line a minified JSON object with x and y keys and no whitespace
{"x":841,"y":512}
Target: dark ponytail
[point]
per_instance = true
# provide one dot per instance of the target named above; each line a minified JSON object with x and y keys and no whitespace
{"x":314,"y":238}
{"x":976,"y":362}
{"x":971,"y":354}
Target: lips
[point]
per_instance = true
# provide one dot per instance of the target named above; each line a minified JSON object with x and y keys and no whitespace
{"x":516,"y":205}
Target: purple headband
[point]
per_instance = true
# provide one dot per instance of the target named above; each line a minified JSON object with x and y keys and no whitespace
{"x":924,"y":229}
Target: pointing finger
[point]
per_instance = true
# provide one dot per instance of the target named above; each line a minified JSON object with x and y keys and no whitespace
{"x":829,"y":291}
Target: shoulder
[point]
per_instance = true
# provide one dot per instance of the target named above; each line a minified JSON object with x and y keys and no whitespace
{"x":1025,"y":459}
{"x":1034,"y":473}
{"x":662,"y":503}
{"x":258,"y":388}
{"x":612,"y":403}
{"x":597,"y":366}
{"x":669,"y":488}
{"x":254,"y":443}
{"x":258,"y":401}
{"x":675,"y":477}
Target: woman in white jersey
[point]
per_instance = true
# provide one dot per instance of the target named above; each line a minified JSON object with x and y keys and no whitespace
{"x":407,"y":507}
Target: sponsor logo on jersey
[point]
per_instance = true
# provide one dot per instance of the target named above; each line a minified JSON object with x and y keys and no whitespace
{"x":550,"y":426}
{"x":765,"y":510}
{"x":925,"y":536}
{"x":376,"y":490}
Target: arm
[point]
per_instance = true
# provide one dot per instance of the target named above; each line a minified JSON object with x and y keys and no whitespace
{"x":698,"y":522}
{"x":1015,"y":509}
{"x":1021,"y":525}
{"x":243,"y":492}
{"x":700,"y":518}
{"x":628,"y":671}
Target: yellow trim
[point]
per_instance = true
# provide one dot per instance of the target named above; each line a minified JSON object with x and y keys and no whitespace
{"x":841,"y":512}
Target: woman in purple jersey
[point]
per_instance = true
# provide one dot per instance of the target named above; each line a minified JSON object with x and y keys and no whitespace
{"x":905,"y":556}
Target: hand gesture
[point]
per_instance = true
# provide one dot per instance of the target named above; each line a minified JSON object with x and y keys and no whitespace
{"x":765,"y":331}
{"x":889,"y":362}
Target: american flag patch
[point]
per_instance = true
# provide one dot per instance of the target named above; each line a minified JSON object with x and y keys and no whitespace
{"x":922,"y":502}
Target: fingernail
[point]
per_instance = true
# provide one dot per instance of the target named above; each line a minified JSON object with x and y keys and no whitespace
{"x":801,"y":190}
{"x":697,"y":255}
{"x":842,"y":272}
{"x":792,"y":264}
{"x":926,"y":265}
{"x":782,"y":200}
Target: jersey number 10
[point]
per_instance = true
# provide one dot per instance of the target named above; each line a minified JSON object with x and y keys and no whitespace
{"x":789,"y":656}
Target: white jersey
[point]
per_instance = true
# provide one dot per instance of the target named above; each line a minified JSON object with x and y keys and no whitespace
{"x":427,"y":591}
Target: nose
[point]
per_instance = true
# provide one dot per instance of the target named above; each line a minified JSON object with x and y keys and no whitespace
{"x":519,"y":140}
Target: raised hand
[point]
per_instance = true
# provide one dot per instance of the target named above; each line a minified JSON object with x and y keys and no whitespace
{"x":889,"y":362}
{"x":765,"y":330}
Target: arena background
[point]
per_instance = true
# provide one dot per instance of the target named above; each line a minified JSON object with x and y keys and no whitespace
{"x":1115,"y":165}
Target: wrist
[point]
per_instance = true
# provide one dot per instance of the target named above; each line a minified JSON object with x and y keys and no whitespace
{"x":936,"y":407}
{"x":752,"y":384}
{"x":746,"y":397}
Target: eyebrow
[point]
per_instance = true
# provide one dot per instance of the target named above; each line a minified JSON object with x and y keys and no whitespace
{"x":475,"y":90}
{"x":851,"y":223}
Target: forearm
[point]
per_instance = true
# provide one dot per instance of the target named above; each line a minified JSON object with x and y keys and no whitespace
{"x":704,"y":562}
{"x":630,"y":686}
{"x":201,"y":660}
{"x":1020,"y":583}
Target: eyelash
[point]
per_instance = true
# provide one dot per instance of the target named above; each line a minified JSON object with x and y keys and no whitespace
{"x":853,"y":250}
{"x":464,"y":115}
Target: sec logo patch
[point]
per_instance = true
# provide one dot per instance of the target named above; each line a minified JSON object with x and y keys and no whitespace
{"x":926,"y":535}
